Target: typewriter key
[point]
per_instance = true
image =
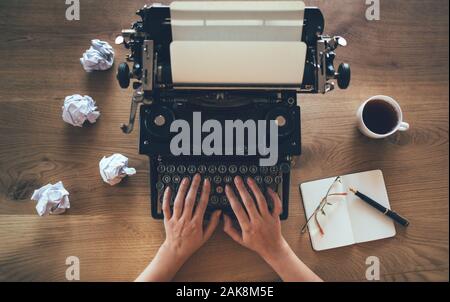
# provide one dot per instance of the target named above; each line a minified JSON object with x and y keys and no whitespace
{"x":166,"y":179}
{"x":212,"y":169}
{"x":181,"y":169}
{"x":191,"y":169}
{"x":268,"y":179}
{"x":170,"y":168}
{"x":217,"y":179}
{"x":243,"y":169}
{"x":258,"y":179}
{"x":264,"y":170}
{"x":227,"y":179}
{"x":201,"y":169}
{"x":161,"y":169}
{"x":222,"y":169}
{"x":214,"y":200}
{"x":176,"y":179}
{"x":273,"y":169}
{"x":232,"y":169}
{"x":253,"y":169}
{"x":223,"y":201}
{"x":159,"y":186}
{"x":219,"y":189}
{"x":278,"y":179}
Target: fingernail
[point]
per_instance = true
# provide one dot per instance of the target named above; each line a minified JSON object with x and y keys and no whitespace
{"x":185,"y":180}
{"x":237,"y":179}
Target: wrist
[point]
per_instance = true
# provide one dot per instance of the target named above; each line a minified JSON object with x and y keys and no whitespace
{"x":276,"y":253}
{"x":170,"y":251}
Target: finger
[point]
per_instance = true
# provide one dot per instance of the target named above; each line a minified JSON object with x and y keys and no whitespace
{"x":237,"y":207}
{"x":179,"y":199}
{"x":246,"y":198}
{"x":212,"y":225}
{"x":231,"y":230}
{"x":166,"y":203}
{"x":191,"y":197}
{"x":277,"y":207}
{"x":260,"y":199}
{"x":203,"y":203}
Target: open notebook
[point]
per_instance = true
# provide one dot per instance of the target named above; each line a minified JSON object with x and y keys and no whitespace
{"x":347,"y":219}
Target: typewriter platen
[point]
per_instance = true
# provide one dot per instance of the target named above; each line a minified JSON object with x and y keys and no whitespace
{"x":225,"y":61}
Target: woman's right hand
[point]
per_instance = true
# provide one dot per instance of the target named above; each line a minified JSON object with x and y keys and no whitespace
{"x":260,"y":229}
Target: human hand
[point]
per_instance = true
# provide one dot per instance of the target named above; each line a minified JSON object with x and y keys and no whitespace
{"x":184,"y":229}
{"x":260,"y":229}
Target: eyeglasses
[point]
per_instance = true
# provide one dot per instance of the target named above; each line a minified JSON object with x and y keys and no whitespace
{"x":325,"y":205}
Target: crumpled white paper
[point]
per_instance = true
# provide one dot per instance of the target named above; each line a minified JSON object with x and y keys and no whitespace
{"x":100,"y":56}
{"x":52,"y":199}
{"x":114,"y":168}
{"x":77,"y":109}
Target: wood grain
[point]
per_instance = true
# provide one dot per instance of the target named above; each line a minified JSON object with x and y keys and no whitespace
{"x":404,"y":55}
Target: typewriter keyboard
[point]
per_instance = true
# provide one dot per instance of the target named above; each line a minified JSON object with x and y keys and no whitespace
{"x":219,"y":175}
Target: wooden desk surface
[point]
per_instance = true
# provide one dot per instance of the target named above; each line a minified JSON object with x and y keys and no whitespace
{"x":405,"y":55}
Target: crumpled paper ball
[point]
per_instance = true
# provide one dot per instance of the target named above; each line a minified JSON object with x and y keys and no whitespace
{"x":77,"y":109}
{"x":100,"y":56}
{"x":52,"y":199}
{"x":114,"y":168}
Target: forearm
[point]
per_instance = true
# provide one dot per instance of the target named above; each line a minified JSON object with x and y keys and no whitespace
{"x":162,"y":268}
{"x":289,"y":267}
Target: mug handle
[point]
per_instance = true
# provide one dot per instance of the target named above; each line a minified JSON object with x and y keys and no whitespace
{"x":403,"y":126}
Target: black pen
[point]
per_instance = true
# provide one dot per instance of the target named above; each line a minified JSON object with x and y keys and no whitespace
{"x":391,"y":214}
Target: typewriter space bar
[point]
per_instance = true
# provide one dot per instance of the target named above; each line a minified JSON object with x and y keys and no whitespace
{"x":238,"y":62}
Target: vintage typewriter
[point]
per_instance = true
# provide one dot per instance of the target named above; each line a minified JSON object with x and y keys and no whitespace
{"x":228,"y":61}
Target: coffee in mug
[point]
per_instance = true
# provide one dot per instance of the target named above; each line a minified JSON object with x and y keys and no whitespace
{"x":380,"y":116}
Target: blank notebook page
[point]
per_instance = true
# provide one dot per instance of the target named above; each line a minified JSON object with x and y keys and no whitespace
{"x":353,"y":220}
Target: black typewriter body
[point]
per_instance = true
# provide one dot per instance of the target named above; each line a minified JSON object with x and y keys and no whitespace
{"x":162,"y":102}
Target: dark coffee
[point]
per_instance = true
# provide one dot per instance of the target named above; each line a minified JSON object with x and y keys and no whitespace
{"x":380,"y":116}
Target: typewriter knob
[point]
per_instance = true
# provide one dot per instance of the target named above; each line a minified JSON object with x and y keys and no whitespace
{"x":123,"y":75}
{"x":344,"y":75}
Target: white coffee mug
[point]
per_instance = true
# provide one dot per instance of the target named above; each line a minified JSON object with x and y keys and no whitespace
{"x":401,"y":125}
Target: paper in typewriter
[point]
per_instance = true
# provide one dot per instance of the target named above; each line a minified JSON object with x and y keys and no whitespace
{"x":237,"y":42}
{"x":351,"y":220}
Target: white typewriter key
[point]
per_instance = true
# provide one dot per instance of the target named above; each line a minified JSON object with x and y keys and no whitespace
{"x":253,"y":169}
{"x":222,"y":169}
{"x":232,"y":169}
{"x":181,"y":169}
{"x":191,"y":169}
{"x":243,"y":169}
{"x":166,"y":179}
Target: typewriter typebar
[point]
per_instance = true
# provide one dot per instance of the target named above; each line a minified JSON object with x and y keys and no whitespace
{"x":179,"y":69}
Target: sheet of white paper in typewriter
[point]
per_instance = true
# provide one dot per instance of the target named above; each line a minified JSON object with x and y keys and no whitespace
{"x":77,"y":109}
{"x":51,"y":199}
{"x":100,"y":56}
{"x":114,"y":168}
{"x":237,"y":42}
